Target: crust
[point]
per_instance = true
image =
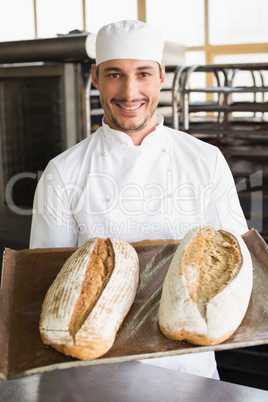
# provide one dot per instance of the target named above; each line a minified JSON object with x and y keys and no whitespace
{"x":82,"y":353}
{"x":195,"y":311}
{"x":196,"y":338}
{"x":97,"y":333}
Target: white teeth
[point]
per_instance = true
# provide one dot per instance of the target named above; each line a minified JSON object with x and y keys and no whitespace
{"x":130,"y":108}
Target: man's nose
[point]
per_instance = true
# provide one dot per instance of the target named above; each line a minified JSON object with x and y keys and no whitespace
{"x":130,"y":88}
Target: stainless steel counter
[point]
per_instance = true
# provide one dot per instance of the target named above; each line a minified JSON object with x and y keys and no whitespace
{"x":126,"y":382}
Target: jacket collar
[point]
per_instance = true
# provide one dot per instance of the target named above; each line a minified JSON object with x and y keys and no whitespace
{"x":120,"y":137}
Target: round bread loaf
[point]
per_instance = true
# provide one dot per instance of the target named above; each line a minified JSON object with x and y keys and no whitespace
{"x":90,"y":297}
{"x":207,"y":288}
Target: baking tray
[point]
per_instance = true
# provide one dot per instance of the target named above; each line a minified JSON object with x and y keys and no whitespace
{"x":27,"y":275}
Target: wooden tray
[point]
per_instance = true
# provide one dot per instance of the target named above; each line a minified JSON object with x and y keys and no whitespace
{"x":27,"y":275}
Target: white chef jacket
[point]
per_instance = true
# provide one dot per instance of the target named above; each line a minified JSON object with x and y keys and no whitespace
{"x":106,"y":186}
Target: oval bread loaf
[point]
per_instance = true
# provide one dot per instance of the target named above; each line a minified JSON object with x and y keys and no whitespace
{"x":90,"y":297}
{"x":207,"y":288}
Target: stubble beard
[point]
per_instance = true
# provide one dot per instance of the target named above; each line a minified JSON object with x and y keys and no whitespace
{"x":129,"y":128}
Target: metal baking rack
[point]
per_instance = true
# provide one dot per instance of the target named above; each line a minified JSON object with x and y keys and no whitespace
{"x":227,"y":105}
{"x":219,"y":108}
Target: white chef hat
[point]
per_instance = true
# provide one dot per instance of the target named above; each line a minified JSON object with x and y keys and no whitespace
{"x":131,"y":39}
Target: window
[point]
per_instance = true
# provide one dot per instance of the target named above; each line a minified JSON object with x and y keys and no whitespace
{"x":12,"y":25}
{"x":212,"y":28}
{"x":101,"y":12}
{"x":181,"y":21}
{"x":58,"y":17}
{"x":238,"y":21}
{"x":195,"y":57}
{"x":241,"y":58}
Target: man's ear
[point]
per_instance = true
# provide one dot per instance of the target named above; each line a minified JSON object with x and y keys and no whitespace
{"x":94,"y":76}
{"x":163,"y":77}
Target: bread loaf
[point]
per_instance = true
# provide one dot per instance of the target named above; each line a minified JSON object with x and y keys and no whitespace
{"x":207,"y":288}
{"x":90,"y":297}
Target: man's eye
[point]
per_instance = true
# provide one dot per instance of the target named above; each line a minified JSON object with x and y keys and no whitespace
{"x":114,"y":75}
{"x":144,"y":75}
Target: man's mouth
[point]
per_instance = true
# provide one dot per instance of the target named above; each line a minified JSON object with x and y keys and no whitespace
{"x":129,"y":107}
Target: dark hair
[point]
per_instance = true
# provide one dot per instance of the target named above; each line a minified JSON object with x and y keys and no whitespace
{"x":160,"y":70}
{"x":97,"y":71}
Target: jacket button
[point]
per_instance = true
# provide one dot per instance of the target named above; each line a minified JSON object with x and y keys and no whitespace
{"x":105,"y":153}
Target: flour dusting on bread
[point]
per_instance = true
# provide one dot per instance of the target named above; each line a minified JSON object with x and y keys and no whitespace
{"x":207,"y":288}
{"x":89,"y":299}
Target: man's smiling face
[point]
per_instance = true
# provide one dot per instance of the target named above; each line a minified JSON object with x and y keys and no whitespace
{"x":129,"y":93}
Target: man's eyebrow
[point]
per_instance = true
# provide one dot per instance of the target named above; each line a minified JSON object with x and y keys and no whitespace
{"x":145,"y":68}
{"x":108,"y":69}
{"x":118,"y":69}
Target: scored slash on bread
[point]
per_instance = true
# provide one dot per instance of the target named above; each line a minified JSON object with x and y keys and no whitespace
{"x":90,"y":297}
{"x":207,"y":288}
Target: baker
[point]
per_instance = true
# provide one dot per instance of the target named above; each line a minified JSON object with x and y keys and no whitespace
{"x":134,"y":178}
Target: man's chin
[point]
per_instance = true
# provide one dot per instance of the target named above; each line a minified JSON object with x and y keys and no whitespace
{"x":129,"y":128}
